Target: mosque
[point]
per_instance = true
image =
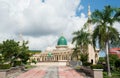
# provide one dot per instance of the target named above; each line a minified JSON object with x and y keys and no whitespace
{"x":63,"y":52}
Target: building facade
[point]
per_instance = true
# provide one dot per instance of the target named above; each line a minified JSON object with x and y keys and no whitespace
{"x":62,"y":52}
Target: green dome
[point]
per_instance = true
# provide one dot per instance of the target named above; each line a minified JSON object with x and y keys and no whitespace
{"x":62,"y":41}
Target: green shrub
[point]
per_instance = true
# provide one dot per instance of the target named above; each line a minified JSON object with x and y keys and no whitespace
{"x":17,"y":63}
{"x":86,"y":64}
{"x":97,"y":66}
{"x":113,"y":58}
{"x":28,"y":63}
{"x":84,"y":57}
{"x":5,"y":66}
{"x":101,"y":60}
{"x":117,"y":64}
{"x":33,"y":61}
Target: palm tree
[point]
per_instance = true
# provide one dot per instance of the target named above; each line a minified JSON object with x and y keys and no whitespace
{"x":75,"y":53}
{"x":81,"y":40}
{"x":117,"y":15}
{"x":115,"y":44}
{"x":104,"y":30}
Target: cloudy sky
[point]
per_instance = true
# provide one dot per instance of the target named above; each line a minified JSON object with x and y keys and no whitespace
{"x":41,"y":22}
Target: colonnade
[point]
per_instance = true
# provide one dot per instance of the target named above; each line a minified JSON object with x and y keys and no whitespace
{"x":55,"y":57}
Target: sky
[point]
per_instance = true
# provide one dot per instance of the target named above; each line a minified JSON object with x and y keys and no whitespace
{"x":42,"y":22}
{"x":98,"y":4}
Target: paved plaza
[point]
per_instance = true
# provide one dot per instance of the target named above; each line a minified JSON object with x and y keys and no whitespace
{"x":51,"y":70}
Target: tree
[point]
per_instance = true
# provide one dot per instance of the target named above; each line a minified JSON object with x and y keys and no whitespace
{"x":117,"y":14}
{"x":9,"y":50}
{"x":104,"y":30}
{"x":81,"y":40}
{"x":113,"y":58}
{"x":101,"y":60}
{"x":75,"y":53}
{"x":115,"y":44}
{"x":84,"y":57}
{"x":12,"y":51}
{"x":24,"y":52}
{"x":117,"y":64}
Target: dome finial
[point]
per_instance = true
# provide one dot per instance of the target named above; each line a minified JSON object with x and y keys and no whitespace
{"x":89,"y":12}
{"x":62,"y":34}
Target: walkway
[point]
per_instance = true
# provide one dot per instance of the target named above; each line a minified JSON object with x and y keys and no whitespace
{"x":49,"y":71}
{"x":52,"y":72}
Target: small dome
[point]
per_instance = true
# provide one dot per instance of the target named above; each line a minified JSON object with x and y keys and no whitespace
{"x":62,"y":41}
{"x":49,"y":49}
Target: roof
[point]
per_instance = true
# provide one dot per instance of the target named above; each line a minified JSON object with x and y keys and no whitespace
{"x":62,"y":41}
{"x":115,"y":51}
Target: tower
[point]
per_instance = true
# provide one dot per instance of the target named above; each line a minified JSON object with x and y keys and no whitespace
{"x":89,"y":20}
{"x":91,"y":51}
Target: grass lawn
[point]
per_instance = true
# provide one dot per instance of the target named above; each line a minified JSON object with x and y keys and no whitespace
{"x":115,"y":74}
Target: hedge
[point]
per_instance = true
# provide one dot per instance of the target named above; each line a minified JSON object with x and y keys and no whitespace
{"x":5,"y":66}
{"x":97,"y":66}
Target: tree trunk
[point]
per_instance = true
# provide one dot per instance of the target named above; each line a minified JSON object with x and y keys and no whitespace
{"x":108,"y":63}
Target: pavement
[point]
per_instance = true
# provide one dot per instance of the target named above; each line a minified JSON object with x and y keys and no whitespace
{"x":51,"y":71}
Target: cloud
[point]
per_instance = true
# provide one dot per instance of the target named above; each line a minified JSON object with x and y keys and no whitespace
{"x":117,"y":26}
{"x":40,"y":23}
{"x":48,"y":18}
{"x":42,"y":42}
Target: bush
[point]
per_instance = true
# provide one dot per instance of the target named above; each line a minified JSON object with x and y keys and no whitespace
{"x":97,"y":66}
{"x":117,"y":64}
{"x":113,"y":58}
{"x":33,"y":61}
{"x":83,"y":57}
{"x":17,"y":63}
{"x":5,"y":66}
{"x":101,"y":60}
{"x":86,"y":64}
